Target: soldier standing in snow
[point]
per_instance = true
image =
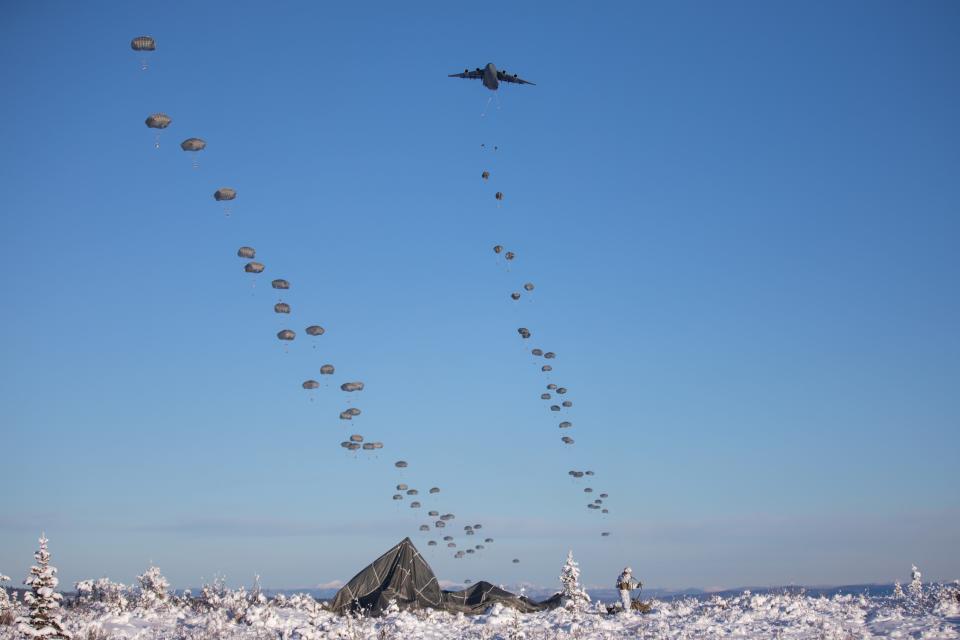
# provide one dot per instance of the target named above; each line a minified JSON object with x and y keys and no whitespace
{"x":626,"y":583}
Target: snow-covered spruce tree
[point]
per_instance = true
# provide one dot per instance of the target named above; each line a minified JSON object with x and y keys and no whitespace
{"x":573,"y":597}
{"x":915,"y":589}
{"x":153,"y":589}
{"x":43,"y":601}
{"x":898,"y":591}
{"x":7,"y":615}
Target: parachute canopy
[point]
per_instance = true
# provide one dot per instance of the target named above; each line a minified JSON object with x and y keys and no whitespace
{"x":158,"y":121}
{"x":286,"y":334}
{"x":315,"y":330}
{"x":310,"y":384}
{"x":247,"y":252}
{"x":253,"y":267}
{"x":281,"y":307}
{"x":352,"y":386}
{"x":280,"y":283}
{"x":193,"y":144}
{"x":143,"y":43}
{"x":400,"y":464}
{"x":326,"y":370}
{"x":224,"y":193}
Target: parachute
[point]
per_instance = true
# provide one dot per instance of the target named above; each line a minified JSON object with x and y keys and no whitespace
{"x":247,"y":252}
{"x":537,"y":352}
{"x":326,"y":370}
{"x":485,"y":175}
{"x":565,"y":425}
{"x":604,"y":495}
{"x":488,"y":540}
{"x":158,"y":121}
{"x":281,"y":307}
{"x":439,"y":524}
{"x":498,"y":249}
{"x":554,"y":407}
{"x":286,"y":334}
{"x":567,"y":403}
{"x":516,"y":561}
{"x":424,"y":527}
{"x":549,"y":355}
{"x":369,"y":446}
{"x":545,"y":396}
{"x":414,"y":505}
{"x":224,"y":193}
{"x":515,"y":295}
{"x":397,"y":496}
{"x":433,"y":514}
{"x":356,"y":438}
{"x":402,"y":487}
{"x":378,"y":445}
{"x":589,"y":473}
{"x":561,"y":390}
{"x":587,"y":490}
{"x":528,"y":286}
{"x":605,"y":534}
{"x":315,"y":330}
{"x":605,"y":511}
{"x":447,"y":538}
{"x":434,"y":489}
{"x":310,"y":384}
{"x":280,"y":283}
{"x":353,"y":446}
{"x":546,"y":368}
{"x":400,"y":464}
{"x":478,"y":526}
{"x":431,"y":543}
{"x":352,"y":386}
{"x":412,"y":492}
{"x":253,"y":267}
{"x":143,"y":43}
{"x":345,"y":416}
{"x":353,"y":411}
{"x":551,"y":387}
{"x":524,"y":332}
{"x":509,"y":255}
{"x":193,"y":144}
{"x":567,"y":440}
{"x":498,"y":195}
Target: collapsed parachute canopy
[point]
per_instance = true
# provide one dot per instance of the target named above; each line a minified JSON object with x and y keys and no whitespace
{"x":193,"y":144}
{"x":158,"y":121}
{"x":143,"y":43}
{"x":224,"y":193}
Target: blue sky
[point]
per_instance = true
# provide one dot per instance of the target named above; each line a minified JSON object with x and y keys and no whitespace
{"x":740,"y":218}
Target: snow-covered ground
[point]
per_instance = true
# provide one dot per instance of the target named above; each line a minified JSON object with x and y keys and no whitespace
{"x":935,"y":614}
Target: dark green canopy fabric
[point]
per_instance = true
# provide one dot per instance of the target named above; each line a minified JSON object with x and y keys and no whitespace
{"x":401,"y":573}
{"x":478,"y":597}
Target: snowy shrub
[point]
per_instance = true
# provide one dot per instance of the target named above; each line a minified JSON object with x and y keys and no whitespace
{"x":573,"y":597}
{"x":7,"y":614}
{"x":898,"y":591}
{"x":114,"y":596}
{"x":44,"y":621}
{"x":153,"y":591}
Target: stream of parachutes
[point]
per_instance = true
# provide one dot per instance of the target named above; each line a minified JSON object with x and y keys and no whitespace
{"x":437,"y":524}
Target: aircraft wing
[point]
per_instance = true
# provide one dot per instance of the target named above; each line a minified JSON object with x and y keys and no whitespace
{"x":476,"y":74}
{"x":503,"y":76}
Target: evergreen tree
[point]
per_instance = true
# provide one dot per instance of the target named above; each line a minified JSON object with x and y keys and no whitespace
{"x":43,"y":601}
{"x":898,"y":591}
{"x":916,"y":587}
{"x":573,"y":596}
{"x":153,"y":588}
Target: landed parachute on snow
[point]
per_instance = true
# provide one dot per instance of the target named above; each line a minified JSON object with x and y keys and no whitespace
{"x":327,"y":369}
{"x":143,"y":43}
{"x":281,"y":307}
{"x":158,"y":121}
{"x":351,"y":386}
{"x":310,"y":384}
{"x":224,"y":193}
{"x":315,"y":330}
{"x":280,"y":283}
{"x":247,"y":252}
{"x":193,"y":144}
{"x":286,"y":334}
{"x":253,"y":267}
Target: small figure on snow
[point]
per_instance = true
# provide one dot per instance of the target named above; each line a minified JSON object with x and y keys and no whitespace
{"x":626,"y":584}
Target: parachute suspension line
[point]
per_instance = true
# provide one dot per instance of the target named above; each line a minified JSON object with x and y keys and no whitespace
{"x":196,"y":162}
{"x":487,"y":106}
{"x":156,"y":140}
{"x":143,"y":64}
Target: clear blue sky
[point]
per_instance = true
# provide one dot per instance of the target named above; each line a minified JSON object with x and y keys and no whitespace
{"x":741,"y":219}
